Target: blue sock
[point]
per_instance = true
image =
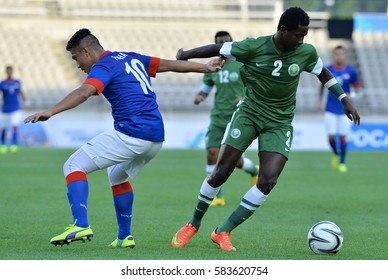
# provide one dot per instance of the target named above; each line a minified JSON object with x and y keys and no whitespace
{"x":333,"y":146}
{"x":15,"y":136}
{"x":343,"y":148}
{"x":123,"y":200}
{"x":3,"y":135}
{"x":77,"y":194}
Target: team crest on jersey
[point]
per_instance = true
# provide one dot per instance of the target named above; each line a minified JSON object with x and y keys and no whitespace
{"x":235,"y":133}
{"x":233,"y":77}
{"x":293,"y":70}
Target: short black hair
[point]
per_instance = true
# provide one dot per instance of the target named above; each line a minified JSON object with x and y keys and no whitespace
{"x":339,"y":47}
{"x":293,"y":17}
{"x":222,"y":34}
{"x":78,"y":36}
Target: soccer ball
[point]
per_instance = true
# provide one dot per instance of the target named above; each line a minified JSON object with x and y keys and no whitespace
{"x":325,"y":237}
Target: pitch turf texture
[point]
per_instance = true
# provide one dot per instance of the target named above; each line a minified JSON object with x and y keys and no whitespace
{"x":34,"y":208}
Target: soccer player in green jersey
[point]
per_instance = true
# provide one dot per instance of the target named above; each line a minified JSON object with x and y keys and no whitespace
{"x":272,"y":66}
{"x":229,"y":91}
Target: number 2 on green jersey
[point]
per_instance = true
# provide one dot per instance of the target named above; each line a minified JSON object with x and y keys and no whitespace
{"x":278,"y":64}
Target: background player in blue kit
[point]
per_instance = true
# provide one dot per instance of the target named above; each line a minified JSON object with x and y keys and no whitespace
{"x":11,"y":110}
{"x":124,"y":78}
{"x":337,"y":123}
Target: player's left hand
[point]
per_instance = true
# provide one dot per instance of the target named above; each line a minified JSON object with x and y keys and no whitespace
{"x":215,"y":64}
{"x":350,"y":111}
{"x":199,"y":98}
{"x":38,"y":117}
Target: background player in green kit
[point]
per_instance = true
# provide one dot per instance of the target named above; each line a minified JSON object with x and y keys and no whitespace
{"x":229,"y":91}
{"x":272,"y":66}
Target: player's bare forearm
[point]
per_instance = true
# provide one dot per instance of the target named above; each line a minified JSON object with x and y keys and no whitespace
{"x":188,"y":66}
{"x":73,"y":99}
{"x":181,"y":66}
{"x":200,"y":52}
{"x":325,"y":76}
{"x":23,"y":96}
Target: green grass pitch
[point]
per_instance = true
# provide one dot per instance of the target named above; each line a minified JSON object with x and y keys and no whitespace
{"x":34,"y":208}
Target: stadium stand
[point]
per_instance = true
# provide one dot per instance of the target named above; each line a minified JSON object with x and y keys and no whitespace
{"x":22,"y":8}
{"x":34,"y":33}
{"x":372,"y":53}
{"x":169,"y":10}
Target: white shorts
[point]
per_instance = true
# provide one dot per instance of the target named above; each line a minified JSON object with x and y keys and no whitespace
{"x":115,"y":148}
{"x":337,"y":124}
{"x":11,"y":119}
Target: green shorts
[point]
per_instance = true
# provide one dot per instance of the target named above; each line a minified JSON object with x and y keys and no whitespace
{"x":245,"y":128}
{"x":214,"y":136}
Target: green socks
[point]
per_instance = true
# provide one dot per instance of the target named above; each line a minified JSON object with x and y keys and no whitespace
{"x":235,"y":219}
{"x":198,"y":214}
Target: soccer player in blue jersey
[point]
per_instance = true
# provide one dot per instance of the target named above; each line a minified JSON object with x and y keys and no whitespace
{"x":337,"y":123}
{"x":124,"y":78}
{"x":12,"y":93}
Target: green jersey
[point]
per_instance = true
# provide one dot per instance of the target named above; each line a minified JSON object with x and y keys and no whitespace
{"x":271,"y":76}
{"x":228,"y":85}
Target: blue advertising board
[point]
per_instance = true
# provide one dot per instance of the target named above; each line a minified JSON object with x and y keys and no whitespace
{"x":368,"y":137}
{"x":370,"y":22}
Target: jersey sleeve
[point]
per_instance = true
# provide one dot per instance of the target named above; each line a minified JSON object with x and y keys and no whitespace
{"x":208,"y":80}
{"x":153,"y":66}
{"x":207,"y":83}
{"x":99,"y":77}
{"x":151,"y":63}
{"x":238,"y":50}
{"x":354,"y":78}
{"x":314,"y":63}
{"x":20,"y":85}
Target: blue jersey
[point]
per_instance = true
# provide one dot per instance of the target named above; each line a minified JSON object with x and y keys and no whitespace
{"x":124,"y":78}
{"x":346,"y":77}
{"x":11,"y":91}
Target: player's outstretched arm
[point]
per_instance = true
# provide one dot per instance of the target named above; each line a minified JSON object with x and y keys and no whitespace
{"x":200,"y":52}
{"x":328,"y":80}
{"x":73,"y":99}
{"x":189,"y":66}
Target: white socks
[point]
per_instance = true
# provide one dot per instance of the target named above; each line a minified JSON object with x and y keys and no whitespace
{"x":207,"y":192}
{"x":253,"y":199}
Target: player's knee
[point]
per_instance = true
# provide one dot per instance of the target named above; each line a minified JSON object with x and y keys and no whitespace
{"x":71,"y":166}
{"x":267,"y":182}
{"x":212,"y":154}
{"x":218,"y":177}
{"x":116,"y":175}
{"x":79,"y":161}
